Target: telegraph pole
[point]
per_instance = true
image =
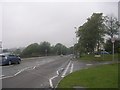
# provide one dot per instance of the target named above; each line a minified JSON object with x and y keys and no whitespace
{"x":0,"y":46}
{"x":76,"y":40}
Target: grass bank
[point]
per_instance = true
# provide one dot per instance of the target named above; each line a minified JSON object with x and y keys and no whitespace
{"x":101,"y":58}
{"x":104,"y":76}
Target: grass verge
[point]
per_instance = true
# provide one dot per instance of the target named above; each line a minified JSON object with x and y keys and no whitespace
{"x":104,"y":76}
{"x":102,"y":58}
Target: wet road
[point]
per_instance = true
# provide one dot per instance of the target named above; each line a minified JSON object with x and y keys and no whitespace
{"x":41,"y":72}
{"x":33,"y":73}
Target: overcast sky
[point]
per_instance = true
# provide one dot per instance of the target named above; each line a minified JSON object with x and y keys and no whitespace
{"x":25,"y":23}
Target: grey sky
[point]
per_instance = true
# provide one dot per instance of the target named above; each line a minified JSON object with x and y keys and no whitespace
{"x":26,"y":23}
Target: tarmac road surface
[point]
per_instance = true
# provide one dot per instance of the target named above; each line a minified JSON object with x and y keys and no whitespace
{"x":41,"y":72}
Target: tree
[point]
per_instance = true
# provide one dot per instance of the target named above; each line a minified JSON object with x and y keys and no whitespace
{"x":91,"y":33}
{"x":70,"y":50}
{"x":108,"y":46}
{"x":44,"y":48}
{"x":31,"y":50}
{"x":112,"y":26}
{"x":60,"y":49}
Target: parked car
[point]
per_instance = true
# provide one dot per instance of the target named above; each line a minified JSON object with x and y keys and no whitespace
{"x":8,"y":59}
{"x":104,"y":52}
{"x":101,"y":52}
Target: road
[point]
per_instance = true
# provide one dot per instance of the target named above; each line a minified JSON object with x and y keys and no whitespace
{"x":33,"y":73}
{"x":40,"y":72}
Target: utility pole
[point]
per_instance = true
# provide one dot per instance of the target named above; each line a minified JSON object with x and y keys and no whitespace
{"x":113,"y":41}
{"x":0,"y":46}
{"x":73,"y":49}
{"x":76,"y":29}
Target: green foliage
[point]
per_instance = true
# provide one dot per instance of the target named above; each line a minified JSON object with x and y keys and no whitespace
{"x":45,"y":49}
{"x":109,"y":46}
{"x":90,"y":33}
{"x":31,"y":50}
{"x":112,"y":25}
{"x":60,"y":49}
{"x":104,"y":76}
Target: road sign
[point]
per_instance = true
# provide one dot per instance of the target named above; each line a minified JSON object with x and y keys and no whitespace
{"x":113,"y":40}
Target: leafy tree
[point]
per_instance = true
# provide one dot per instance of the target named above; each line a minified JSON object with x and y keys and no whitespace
{"x":70,"y":50}
{"x":91,"y":33}
{"x":108,"y":46}
{"x":44,"y":48}
{"x":17,"y":51}
{"x":30,"y":50}
{"x":112,"y":26}
{"x":60,"y":49}
{"x":52,"y":50}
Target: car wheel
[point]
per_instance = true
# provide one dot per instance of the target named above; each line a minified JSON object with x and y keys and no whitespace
{"x":9,"y":63}
{"x":18,"y":62}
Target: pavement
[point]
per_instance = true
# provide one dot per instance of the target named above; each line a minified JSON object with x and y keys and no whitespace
{"x":42,"y":72}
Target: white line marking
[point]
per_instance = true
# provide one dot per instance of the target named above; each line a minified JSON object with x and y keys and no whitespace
{"x":71,"y":70}
{"x":51,"y":84}
{"x":57,"y":72}
{"x":50,"y":80}
{"x":15,"y":73}
{"x":6,"y":77}
{"x":63,"y":75}
{"x":21,"y":71}
{"x":2,"y":76}
{"x":34,"y":67}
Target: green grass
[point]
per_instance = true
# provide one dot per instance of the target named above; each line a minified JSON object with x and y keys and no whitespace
{"x":102,"y":58}
{"x":104,"y":76}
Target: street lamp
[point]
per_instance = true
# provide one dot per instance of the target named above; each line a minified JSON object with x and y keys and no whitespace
{"x":76,"y":40}
{"x":73,"y":49}
{"x":76,"y":33}
{"x":0,"y":46}
{"x":113,"y":41}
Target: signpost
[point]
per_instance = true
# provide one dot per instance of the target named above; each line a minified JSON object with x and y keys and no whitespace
{"x":113,"y":41}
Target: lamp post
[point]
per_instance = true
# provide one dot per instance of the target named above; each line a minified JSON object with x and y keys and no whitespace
{"x":113,"y":41}
{"x":76,"y":33}
{"x":76,"y":40}
{"x":0,"y":46}
{"x":73,"y":49}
